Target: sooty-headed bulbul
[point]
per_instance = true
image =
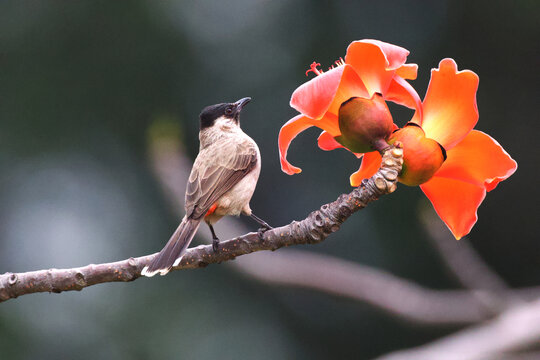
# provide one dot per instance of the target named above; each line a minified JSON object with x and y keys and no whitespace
{"x":222,"y":181}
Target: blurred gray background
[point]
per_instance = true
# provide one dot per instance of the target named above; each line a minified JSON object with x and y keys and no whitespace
{"x":83,"y":83}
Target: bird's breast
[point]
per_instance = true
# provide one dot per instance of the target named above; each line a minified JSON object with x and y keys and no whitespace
{"x":236,"y":200}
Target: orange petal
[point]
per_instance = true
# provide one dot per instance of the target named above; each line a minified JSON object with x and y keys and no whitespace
{"x":327,"y":142}
{"x":294,"y":127}
{"x":287,"y":133}
{"x":450,"y":110}
{"x":395,"y":55}
{"x":375,"y":62}
{"x":327,"y":91}
{"x":478,"y":159}
{"x":329,"y":123}
{"x":401,"y":92}
{"x":370,"y":164}
{"x":407,"y":71}
{"x":455,"y":202}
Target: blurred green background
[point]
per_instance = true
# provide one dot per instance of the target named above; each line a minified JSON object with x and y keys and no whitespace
{"x":81,"y":84}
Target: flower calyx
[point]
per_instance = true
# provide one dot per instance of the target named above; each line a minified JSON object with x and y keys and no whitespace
{"x":365,"y":124}
{"x":422,"y":156}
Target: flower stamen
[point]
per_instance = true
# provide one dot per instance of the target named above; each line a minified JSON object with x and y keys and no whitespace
{"x":313,"y":67}
{"x":337,"y":63}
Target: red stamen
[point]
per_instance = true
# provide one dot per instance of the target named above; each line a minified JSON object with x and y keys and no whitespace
{"x":313,"y":67}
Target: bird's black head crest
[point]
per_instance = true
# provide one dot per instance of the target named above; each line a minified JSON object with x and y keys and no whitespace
{"x":227,"y":110}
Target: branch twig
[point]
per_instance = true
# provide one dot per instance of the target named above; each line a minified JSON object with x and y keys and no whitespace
{"x":320,"y":272}
{"x":468,"y":267}
{"x":313,"y":229}
{"x":397,"y":296}
{"x":375,"y":287}
{"x":514,"y":329}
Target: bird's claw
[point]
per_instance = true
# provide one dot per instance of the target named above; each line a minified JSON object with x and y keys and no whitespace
{"x":215,"y":245}
{"x":262,"y":230}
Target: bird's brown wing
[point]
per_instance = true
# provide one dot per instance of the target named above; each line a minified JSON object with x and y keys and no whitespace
{"x":215,"y":171}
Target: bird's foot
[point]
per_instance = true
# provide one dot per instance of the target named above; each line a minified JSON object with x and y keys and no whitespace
{"x":264,"y":224}
{"x":262,"y":230}
{"x":215,"y":239}
{"x":215,"y":244}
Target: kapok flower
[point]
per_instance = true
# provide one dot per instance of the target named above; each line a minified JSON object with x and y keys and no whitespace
{"x":475,"y":162}
{"x":373,"y":71}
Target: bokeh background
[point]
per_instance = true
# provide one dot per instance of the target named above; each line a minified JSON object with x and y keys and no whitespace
{"x":82,"y":85}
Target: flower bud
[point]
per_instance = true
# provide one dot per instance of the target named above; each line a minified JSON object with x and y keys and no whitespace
{"x":422,"y":156}
{"x":364,"y":124}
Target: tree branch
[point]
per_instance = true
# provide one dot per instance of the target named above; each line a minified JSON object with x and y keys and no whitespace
{"x":320,"y":272}
{"x":516,"y":328}
{"x":468,"y":267}
{"x":382,"y":290}
{"x":313,"y":229}
{"x":461,"y":259}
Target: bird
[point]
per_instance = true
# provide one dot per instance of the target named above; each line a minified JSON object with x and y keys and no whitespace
{"x":222,"y":181}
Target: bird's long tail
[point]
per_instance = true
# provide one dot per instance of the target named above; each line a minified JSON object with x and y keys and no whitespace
{"x":174,"y":249}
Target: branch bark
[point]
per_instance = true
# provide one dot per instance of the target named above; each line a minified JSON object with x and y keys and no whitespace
{"x":313,"y":229}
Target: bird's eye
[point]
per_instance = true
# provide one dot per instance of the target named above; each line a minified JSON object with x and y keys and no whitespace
{"x":228,"y":110}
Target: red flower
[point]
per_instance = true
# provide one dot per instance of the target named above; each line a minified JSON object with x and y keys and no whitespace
{"x":370,"y":67}
{"x":475,"y":162}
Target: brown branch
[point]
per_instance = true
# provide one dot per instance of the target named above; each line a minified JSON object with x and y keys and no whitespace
{"x":461,"y":259}
{"x":313,"y":229}
{"x":515,"y":329}
{"x":380,"y":289}
{"x":320,"y":272}
{"x":466,"y":265}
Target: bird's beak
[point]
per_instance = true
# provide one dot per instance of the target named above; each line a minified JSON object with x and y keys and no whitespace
{"x":241,"y":103}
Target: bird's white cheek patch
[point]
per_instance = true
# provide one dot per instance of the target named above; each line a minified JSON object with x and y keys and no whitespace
{"x":225,"y":124}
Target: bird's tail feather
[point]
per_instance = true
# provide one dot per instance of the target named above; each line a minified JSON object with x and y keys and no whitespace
{"x":174,"y":249}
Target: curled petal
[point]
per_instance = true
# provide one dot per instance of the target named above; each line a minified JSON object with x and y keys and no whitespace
{"x":295,"y":126}
{"x":476,"y":165}
{"x":394,"y":55}
{"x":328,"y":123}
{"x":371,"y":162}
{"x":407,"y":71}
{"x":375,"y":62}
{"x":450,"y":110}
{"x":478,"y":159}
{"x":456,"y":202}
{"x":401,"y":92}
{"x":287,"y":133}
{"x":327,"y":91}
{"x":327,"y":142}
